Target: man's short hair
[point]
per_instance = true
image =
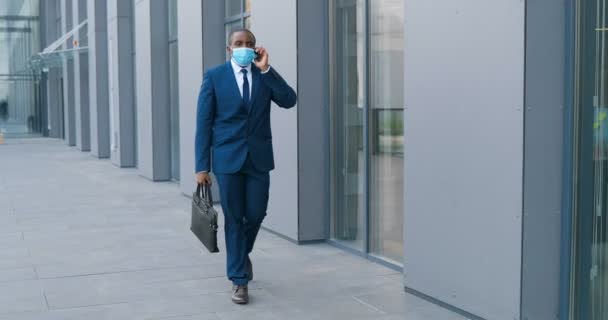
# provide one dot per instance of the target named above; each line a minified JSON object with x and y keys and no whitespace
{"x":240,"y":30}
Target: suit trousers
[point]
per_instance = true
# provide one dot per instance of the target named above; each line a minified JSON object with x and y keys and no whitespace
{"x":244,"y":199}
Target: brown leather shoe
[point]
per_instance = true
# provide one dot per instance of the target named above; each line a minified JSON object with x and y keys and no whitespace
{"x":240,"y":294}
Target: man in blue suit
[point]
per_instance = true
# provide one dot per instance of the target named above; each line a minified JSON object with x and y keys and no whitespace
{"x":233,"y":119}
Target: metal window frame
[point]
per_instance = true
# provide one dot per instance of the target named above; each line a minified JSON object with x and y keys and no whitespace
{"x":238,"y":17}
{"x":366,"y":250}
{"x":172,"y":38}
{"x":567,"y":213}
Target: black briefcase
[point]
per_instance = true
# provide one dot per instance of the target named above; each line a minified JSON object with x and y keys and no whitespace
{"x":204,"y":218}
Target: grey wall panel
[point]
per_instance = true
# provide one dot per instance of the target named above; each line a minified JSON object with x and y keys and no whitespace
{"x":121,"y":83}
{"x":190,"y":57}
{"x":98,"y":78}
{"x":282,"y":47}
{"x":152,"y":89}
{"x":143,"y":88}
{"x":313,"y":131}
{"x":545,"y":60}
{"x":464,"y":72}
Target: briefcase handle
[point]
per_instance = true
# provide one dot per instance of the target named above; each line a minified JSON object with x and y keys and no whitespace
{"x":203,"y":191}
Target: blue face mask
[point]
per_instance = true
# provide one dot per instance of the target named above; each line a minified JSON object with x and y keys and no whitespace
{"x":243,"y":56}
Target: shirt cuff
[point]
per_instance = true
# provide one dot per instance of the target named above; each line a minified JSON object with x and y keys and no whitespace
{"x":265,"y":72}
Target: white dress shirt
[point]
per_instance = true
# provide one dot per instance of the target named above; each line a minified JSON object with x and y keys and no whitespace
{"x":239,"y":76}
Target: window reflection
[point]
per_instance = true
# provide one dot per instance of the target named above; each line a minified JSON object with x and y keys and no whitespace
{"x":590,"y":289}
{"x":386,"y":128}
{"x":348,"y":103}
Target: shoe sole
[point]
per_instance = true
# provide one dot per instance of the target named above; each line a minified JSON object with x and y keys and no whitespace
{"x":237,"y":301}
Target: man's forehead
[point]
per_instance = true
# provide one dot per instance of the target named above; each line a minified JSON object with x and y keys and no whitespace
{"x":242,"y":35}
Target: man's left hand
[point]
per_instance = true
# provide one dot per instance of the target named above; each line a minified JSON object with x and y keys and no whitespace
{"x":262,"y":60}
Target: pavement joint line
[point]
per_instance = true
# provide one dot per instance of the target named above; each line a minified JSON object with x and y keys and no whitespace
{"x":368,"y":305}
{"x":143,"y":299}
{"x":117,"y":272}
{"x":46,"y":300}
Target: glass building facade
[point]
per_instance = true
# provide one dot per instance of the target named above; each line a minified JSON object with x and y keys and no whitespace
{"x":21,"y":107}
{"x":590,"y":276}
{"x":367,"y":126}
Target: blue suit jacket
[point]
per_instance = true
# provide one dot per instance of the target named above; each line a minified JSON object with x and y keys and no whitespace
{"x":232,"y":129}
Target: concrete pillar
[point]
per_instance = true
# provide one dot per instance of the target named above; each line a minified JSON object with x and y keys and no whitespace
{"x":54,"y":100}
{"x":68,"y":77}
{"x":81,"y":80}
{"x":42,"y":106}
{"x":53,"y":75}
{"x":152,"y":89}
{"x":313,"y":130}
{"x":121,"y":83}
{"x":98,"y":78}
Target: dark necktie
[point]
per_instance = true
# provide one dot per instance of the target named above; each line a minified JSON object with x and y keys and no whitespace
{"x":245,"y":88}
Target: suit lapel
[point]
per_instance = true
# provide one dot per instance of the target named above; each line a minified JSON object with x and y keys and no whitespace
{"x":255,"y":78}
{"x":234,"y":84}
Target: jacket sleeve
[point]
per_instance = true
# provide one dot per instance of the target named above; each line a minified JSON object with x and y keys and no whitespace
{"x":205,"y":115}
{"x":282,"y":94}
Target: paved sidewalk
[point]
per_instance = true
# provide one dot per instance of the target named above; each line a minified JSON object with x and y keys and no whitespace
{"x":83,"y":240}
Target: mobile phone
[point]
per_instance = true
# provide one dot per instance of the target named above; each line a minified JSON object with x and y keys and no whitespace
{"x":257,"y":55}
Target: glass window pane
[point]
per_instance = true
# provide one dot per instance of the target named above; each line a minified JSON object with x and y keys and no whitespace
{"x":591,"y":235}
{"x":386,"y":128}
{"x":247,"y":6}
{"x":229,"y":28}
{"x":233,"y":7}
{"x":232,"y":26}
{"x":248,"y":23}
{"x":21,"y":111}
{"x":348,"y":80}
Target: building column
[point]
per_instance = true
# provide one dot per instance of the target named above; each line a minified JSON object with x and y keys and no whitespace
{"x":152,"y":89}
{"x":313,"y":128}
{"x":98,"y":78}
{"x":43,"y":83}
{"x":53,"y":75}
{"x":81,"y":80}
{"x":121,"y":83}
{"x":68,"y":77}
